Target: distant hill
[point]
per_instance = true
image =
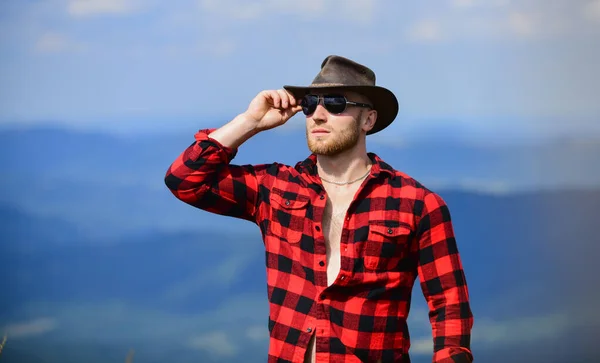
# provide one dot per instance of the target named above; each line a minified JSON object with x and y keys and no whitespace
{"x":97,"y":247}
{"x":524,"y":254}
{"x":113,"y":184}
{"x":451,"y":162}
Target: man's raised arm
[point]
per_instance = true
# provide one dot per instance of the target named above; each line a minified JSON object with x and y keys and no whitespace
{"x":203,"y":176}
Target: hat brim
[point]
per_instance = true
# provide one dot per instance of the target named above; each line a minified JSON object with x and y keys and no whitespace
{"x":384,"y":101}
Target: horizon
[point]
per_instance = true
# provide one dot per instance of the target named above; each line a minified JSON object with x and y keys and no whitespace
{"x":469,"y":162}
{"x":515,"y":130}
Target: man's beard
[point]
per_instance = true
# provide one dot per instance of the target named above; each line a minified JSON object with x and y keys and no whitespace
{"x":346,"y":140}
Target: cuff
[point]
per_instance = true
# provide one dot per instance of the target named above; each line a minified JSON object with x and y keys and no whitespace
{"x":203,"y":141}
{"x":453,"y":355}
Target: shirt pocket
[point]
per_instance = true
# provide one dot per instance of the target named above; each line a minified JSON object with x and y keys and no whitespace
{"x":288,"y":216}
{"x":385,"y":246}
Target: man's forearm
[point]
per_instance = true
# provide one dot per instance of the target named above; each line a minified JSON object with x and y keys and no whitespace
{"x":236,"y":132}
{"x":443,"y":283}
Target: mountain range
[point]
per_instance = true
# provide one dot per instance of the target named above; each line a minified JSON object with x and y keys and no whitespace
{"x":97,"y":257}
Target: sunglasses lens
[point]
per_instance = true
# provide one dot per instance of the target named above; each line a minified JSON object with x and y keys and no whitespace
{"x":309,"y":104}
{"x":335,"y":104}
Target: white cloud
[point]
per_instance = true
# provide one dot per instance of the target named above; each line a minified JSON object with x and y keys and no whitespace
{"x":421,"y":346}
{"x":178,"y":36}
{"x":501,"y":19}
{"x":482,"y":186}
{"x":244,"y":10}
{"x":219,"y":47}
{"x":425,"y":30}
{"x":82,"y":8}
{"x":30,"y":328}
{"x":52,"y":42}
{"x":521,"y":24}
{"x":112,"y":321}
{"x":361,"y":11}
{"x":239,"y":320}
{"x":217,"y":343}
{"x":463,"y":3}
{"x":492,"y":187}
{"x":591,"y":10}
{"x":235,"y":9}
{"x":257,"y":333}
{"x":225,"y":274}
{"x":523,"y":329}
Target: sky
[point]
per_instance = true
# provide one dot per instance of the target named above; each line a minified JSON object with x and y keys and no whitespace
{"x":494,"y":65}
{"x":491,"y":68}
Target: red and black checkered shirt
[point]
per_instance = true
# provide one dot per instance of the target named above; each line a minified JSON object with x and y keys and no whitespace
{"x":395,"y":230}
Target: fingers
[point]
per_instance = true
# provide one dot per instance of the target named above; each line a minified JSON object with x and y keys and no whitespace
{"x":281,"y":98}
{"x":285,"y":98}
{"x":291,"y":98}
{"x":275,"y":98}
{"x":291,"y":111}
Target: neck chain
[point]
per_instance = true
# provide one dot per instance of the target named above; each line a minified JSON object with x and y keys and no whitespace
{"x":348,"y":182}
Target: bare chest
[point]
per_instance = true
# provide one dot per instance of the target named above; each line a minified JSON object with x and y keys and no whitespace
{"x":333,"y":223}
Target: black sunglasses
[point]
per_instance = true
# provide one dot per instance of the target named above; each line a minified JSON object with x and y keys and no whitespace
{"x":334,"y":104}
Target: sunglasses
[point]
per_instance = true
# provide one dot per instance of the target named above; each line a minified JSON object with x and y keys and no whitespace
{"x":334,"y":104}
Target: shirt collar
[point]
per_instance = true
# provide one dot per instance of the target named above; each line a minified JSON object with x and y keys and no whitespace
{"x":309,"y":166}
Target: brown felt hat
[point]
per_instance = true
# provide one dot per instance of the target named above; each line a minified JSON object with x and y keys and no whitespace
{"x":339,"y":73}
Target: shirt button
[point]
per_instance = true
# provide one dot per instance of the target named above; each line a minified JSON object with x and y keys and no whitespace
{"x":317,"y":228}
{"x":322,"y":197}
{"x":309,"y":329}
{"x":343,"y":277}
{"x":390,"y":231}
{"x":287,"y":202}
{"x":321,"y":263}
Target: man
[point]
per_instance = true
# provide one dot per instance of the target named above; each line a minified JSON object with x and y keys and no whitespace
{"x":345,"y":234}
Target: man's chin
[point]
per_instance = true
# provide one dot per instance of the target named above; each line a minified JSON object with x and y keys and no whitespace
{"x":319,"y":150}
{"x":330,"y":146}
{"x":324,"y":150}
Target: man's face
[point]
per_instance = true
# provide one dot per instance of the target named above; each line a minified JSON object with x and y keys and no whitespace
{"x":331,"y":134}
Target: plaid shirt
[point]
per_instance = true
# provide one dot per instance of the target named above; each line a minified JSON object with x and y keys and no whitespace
{"x":395,"y":230}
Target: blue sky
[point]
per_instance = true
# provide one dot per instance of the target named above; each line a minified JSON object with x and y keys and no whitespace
{"x":495,"y":65}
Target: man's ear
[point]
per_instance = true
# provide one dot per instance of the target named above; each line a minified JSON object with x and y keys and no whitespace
{"x":369,"y":122}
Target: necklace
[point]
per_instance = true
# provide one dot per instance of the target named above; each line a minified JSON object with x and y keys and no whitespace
{"x":348,"y":182}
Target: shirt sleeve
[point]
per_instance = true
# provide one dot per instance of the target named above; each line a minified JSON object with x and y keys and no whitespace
{"x":204,"y":177}
{"x":443,"y":283}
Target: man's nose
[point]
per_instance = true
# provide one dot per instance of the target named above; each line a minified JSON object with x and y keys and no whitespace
{"x":320,"y":113}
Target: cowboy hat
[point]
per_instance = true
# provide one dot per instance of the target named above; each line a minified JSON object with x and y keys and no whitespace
{"x":343,"y":74}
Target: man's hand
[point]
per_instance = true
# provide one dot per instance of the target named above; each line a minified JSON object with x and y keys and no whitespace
{"x":272,"y":108}
{"x":267,"y":110}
